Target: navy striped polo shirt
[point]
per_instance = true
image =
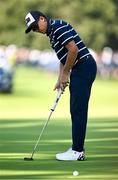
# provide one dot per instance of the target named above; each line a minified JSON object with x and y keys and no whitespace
{"x":60,"y":34}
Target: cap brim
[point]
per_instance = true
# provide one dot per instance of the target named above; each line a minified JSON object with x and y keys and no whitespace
{"x":28,"y":30}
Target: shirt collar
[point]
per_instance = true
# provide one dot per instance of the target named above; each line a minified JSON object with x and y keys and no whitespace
{"x":49,"y":26}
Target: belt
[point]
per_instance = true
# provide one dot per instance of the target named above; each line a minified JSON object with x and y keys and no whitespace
{"x":83,"y":59}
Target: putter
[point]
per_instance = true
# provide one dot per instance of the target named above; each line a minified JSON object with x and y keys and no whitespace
{"x":45,"y":125}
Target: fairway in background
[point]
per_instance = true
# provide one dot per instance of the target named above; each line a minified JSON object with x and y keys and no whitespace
{"x":23,"y":114}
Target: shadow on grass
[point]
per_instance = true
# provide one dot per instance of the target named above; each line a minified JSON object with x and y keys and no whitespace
{"x":50,"y":168}
{"x":19,"y":137}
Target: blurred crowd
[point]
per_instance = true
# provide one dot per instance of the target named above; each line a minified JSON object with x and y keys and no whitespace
{"x":107,"y":62}
{"x":12,"y":56}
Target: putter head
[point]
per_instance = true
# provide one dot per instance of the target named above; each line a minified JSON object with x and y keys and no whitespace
{"x":28,"y":159}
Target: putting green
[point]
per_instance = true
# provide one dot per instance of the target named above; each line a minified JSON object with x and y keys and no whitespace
{"x":23,"y":114}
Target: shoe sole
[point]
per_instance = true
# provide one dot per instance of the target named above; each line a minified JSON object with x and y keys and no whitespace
{"x":71,"y":160}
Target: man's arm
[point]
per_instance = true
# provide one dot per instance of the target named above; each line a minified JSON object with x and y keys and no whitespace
{"x":61,"y":67}
{"x":57,"y":85}
{"x":64,"y":70}
{"x":71,"y":56}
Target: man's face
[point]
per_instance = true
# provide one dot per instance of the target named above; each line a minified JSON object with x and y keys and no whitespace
{"x":42,"y":25}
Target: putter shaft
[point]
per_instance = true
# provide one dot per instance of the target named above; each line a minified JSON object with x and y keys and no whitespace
{"x":46,"y":123}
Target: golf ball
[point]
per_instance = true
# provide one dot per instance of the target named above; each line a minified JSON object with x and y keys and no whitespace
{"x":75,"y":173}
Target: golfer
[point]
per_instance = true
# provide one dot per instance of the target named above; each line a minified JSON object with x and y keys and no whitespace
{"x":77,"y":68}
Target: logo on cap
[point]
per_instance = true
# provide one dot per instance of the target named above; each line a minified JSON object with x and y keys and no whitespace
{"x":29,"y":19}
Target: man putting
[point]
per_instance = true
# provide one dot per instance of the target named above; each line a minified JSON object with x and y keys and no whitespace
{"x":77,"y":66}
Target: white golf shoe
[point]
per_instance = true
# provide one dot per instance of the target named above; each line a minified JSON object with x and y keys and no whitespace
{"x":71,"y":155}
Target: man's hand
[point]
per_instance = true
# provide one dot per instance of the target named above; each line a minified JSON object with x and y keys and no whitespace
{"x":63,"y":81}
{"x":57,"y":86}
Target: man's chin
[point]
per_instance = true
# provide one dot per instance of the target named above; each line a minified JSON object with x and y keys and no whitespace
{"x":42,"y":32}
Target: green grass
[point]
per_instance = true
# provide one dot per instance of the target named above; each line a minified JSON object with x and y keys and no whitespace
{"x":23,"y":114}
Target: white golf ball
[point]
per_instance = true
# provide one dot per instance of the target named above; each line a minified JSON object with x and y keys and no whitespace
{"x":75,"y":173}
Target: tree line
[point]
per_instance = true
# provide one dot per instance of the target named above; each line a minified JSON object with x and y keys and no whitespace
{"x":94,"y":20}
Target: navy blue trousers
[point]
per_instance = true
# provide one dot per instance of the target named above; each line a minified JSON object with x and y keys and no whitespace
{"x":81,"y":80}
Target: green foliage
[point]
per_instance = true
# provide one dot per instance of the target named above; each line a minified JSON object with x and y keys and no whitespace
{"x":95,"y":20}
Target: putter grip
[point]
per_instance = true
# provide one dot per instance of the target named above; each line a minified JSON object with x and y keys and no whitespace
{"x":56,"y":100}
